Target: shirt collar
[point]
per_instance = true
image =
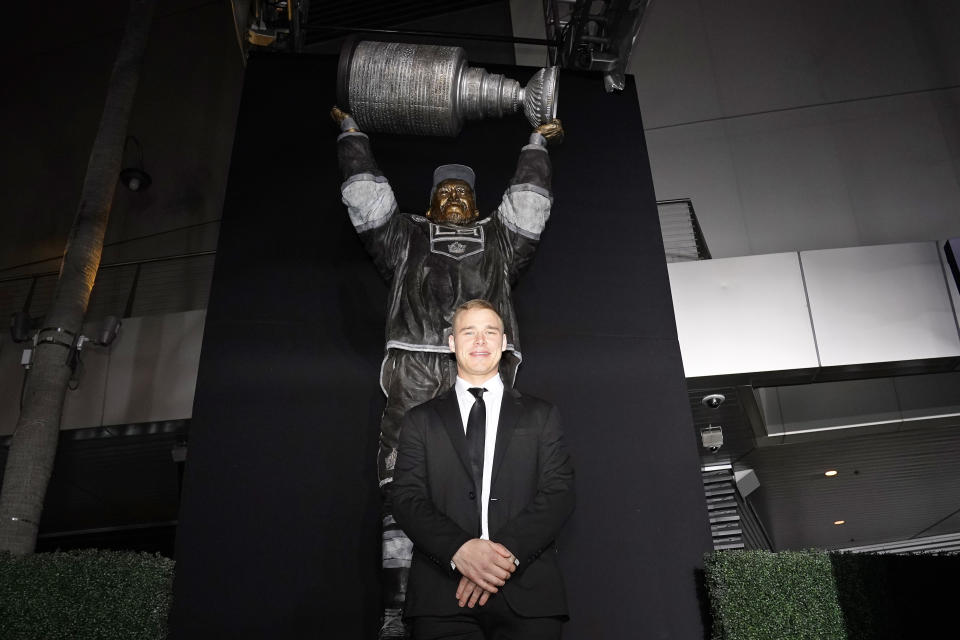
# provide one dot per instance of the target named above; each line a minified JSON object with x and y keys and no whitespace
{"x":493,"y":385}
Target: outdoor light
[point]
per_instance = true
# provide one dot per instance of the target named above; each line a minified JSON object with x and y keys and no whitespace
{"x":830,"y":473}
{"x":135,"y":177}
{"x":839,"y":522}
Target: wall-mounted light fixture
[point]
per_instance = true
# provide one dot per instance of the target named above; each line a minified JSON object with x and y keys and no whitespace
{"x":134,"y":176}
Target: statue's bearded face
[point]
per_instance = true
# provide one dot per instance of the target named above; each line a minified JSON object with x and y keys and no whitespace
{"x":453,"y":203}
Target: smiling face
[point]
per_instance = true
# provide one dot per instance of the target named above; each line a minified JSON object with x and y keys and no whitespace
{"x":478,"y":341}
{"x":453,"y":203}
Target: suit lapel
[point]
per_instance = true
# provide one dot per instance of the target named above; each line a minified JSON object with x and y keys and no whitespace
{"x":510,"y":410}
{"x":449,"y":410}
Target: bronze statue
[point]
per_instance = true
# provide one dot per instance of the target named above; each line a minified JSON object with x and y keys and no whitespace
{"x":433,"y":263}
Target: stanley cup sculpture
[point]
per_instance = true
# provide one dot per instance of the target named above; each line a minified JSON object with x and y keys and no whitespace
{"x":430,"y":90}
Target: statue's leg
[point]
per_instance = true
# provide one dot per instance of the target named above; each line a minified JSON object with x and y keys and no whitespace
{"x":410,"y":378}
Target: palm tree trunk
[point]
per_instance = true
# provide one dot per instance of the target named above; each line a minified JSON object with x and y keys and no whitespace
{"x":34,"y":443}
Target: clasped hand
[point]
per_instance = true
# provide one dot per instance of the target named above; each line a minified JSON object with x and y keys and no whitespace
{"x":552,"y":131}
{"x":338,"y":115}
{"x":485,"y":565}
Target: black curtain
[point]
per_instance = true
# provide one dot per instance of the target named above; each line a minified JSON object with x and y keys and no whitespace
{"x":279,"y":526}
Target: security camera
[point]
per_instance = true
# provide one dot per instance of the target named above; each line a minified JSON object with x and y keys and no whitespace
{"x":713,"y":401}
{"x":712,"y":438}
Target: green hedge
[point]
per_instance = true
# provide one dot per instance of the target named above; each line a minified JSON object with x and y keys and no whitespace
{"x":84,"y":595}
{"x":759,"y":595}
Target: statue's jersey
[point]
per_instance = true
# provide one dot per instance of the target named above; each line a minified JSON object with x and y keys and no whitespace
{"x":433,"y":268}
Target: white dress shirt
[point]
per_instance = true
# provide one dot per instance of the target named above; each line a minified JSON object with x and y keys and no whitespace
{"x":492,"y":398}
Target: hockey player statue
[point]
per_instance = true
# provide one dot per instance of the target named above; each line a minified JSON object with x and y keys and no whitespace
{"x":433,"y":263}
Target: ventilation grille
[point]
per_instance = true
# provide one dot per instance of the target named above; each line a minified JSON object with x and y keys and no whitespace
{"x":721,"y":492}
{"x":683,"y":239}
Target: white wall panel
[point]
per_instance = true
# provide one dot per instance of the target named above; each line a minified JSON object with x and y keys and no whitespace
{"x":83,"y":406}
{"x":153,"y":371}
{"x":742,"y":315}
{"x":880,"y":304}
{"x":149,"y":374}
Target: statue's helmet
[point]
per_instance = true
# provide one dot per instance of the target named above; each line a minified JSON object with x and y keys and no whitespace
{"x":453,"y":200}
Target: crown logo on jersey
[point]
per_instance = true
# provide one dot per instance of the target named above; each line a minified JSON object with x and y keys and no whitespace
{"x":456,"y":242}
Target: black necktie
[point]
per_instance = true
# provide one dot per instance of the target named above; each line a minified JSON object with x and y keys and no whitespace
{"x":476,"y":435}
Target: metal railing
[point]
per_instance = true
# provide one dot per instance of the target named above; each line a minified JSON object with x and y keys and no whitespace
{"x":151,"y":286}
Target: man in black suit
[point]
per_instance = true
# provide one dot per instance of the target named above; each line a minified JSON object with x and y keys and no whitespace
{"x":482,"y":485}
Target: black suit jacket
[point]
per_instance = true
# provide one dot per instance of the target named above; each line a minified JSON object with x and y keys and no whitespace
{"x":531,"y":495}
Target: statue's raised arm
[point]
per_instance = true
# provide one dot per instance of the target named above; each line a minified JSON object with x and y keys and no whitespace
{"x":366,"y":192}
{"x":526,"y":204}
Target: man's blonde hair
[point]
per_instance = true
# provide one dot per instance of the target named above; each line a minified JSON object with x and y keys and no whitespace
{"x":476,"y":303}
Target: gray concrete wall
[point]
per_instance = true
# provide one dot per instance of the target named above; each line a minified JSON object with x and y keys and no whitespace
{"x":798,"y":126}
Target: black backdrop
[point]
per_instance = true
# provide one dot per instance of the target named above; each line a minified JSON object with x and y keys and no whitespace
{"x":279,"y":525}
